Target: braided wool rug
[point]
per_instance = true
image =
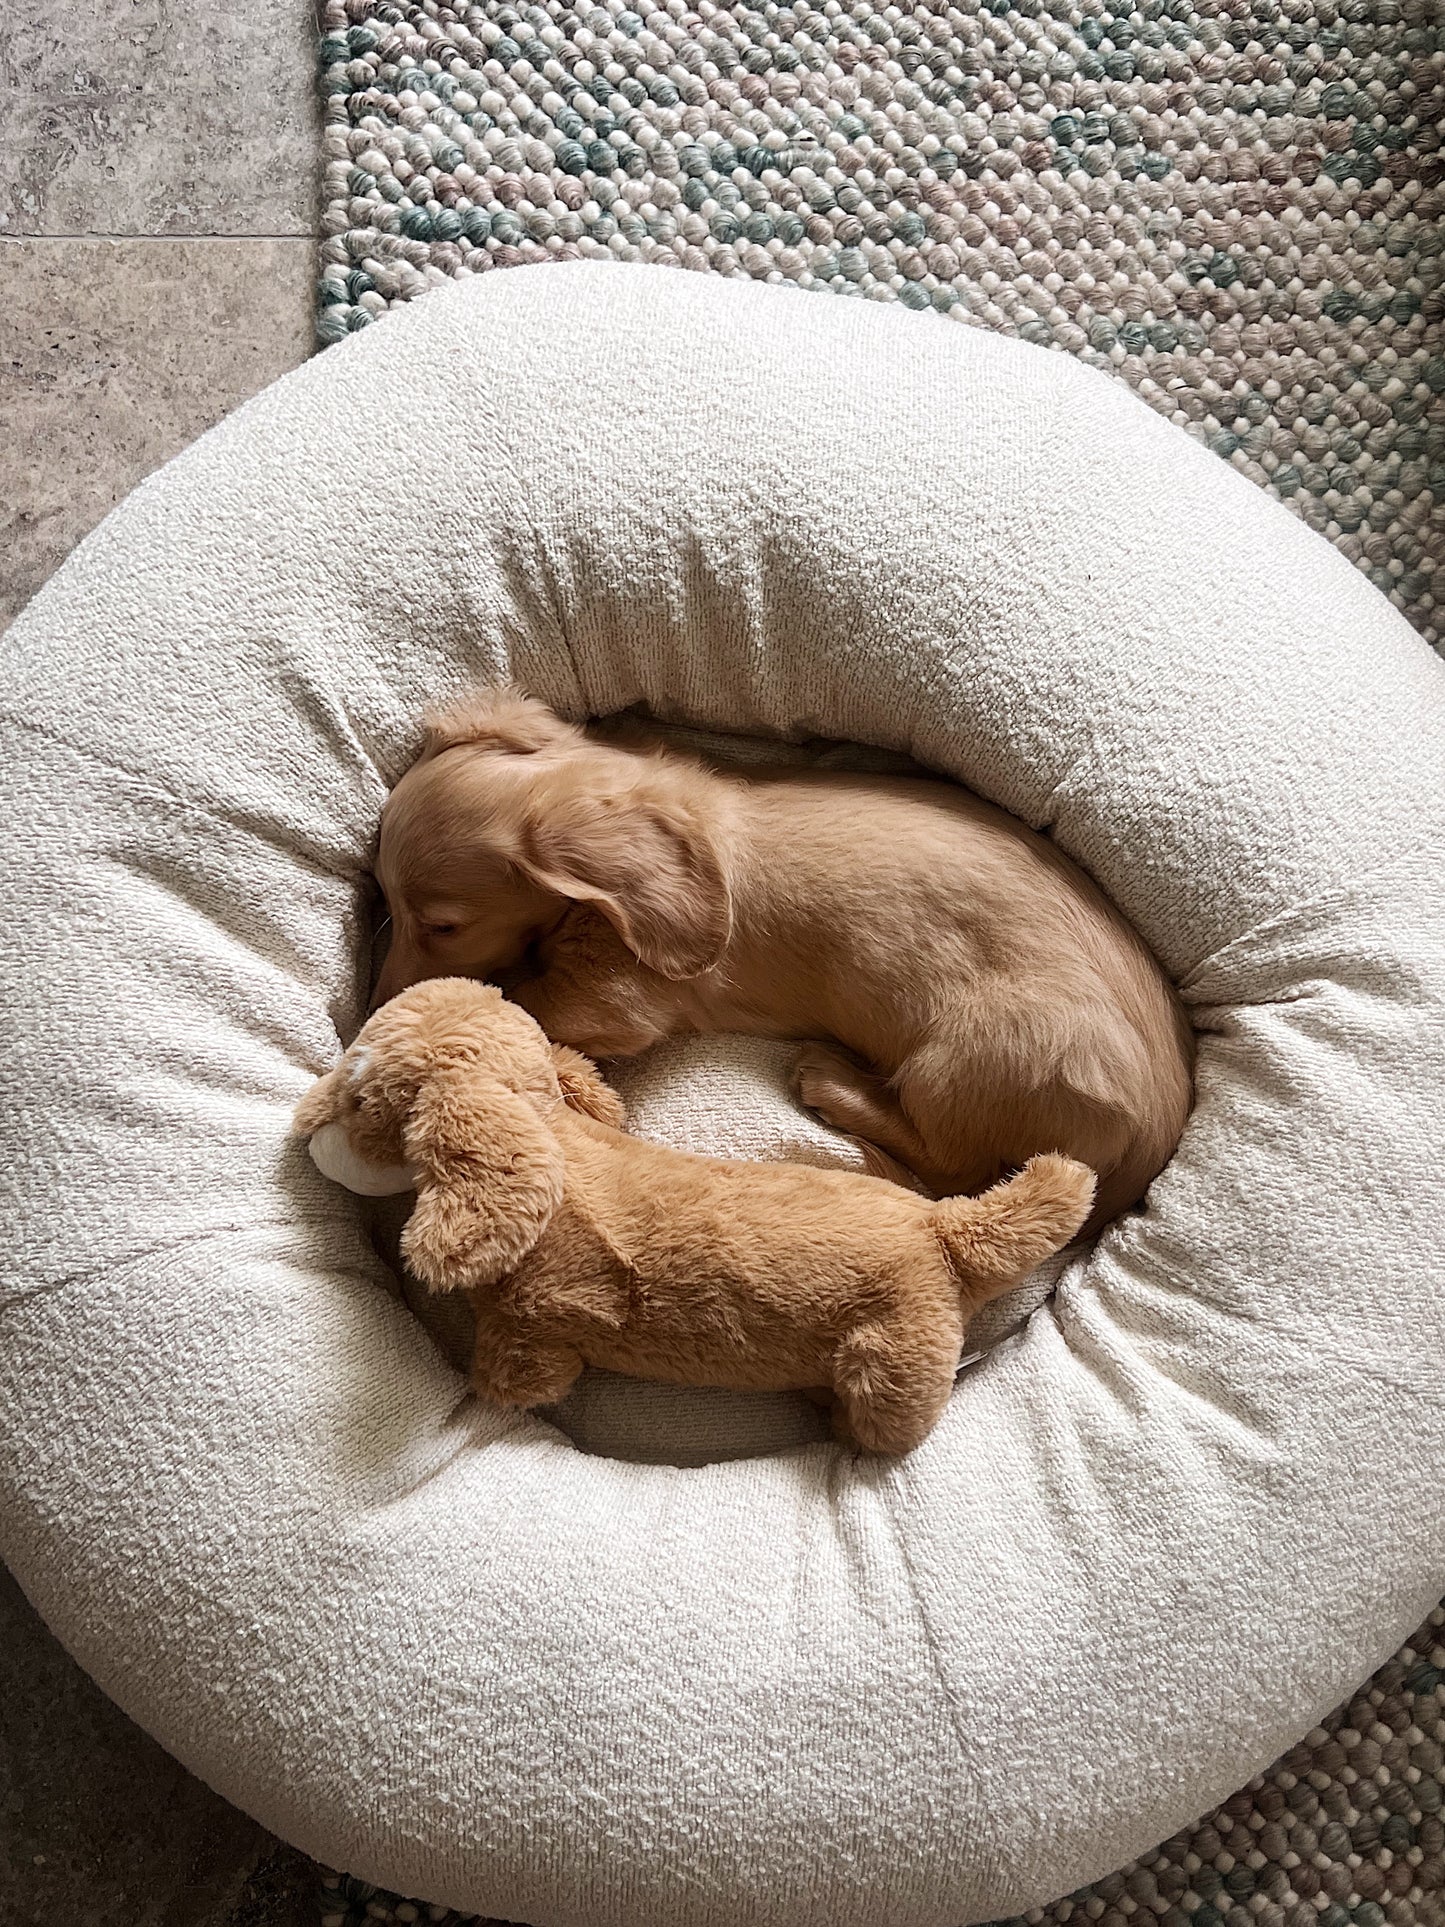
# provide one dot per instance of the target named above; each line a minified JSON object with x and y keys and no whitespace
{"x":1236,"y":205}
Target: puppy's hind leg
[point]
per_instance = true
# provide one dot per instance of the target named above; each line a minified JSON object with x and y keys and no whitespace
{"x":856,"y":1101}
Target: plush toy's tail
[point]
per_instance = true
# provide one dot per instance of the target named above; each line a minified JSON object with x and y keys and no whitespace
{"x":993,"y":1240}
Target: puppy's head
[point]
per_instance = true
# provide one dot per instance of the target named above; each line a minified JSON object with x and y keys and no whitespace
{"x":511,"y":815}
{"x":449,"y":1089}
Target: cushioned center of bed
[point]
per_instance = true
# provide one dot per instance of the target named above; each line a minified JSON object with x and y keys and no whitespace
{"x":446,"y":1647}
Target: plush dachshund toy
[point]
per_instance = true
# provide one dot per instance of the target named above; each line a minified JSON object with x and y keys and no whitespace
{"x":582,"y":1246}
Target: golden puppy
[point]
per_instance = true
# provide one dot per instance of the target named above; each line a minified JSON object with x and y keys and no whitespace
{"x":583,"y":1246}
{"x":980,"y":998}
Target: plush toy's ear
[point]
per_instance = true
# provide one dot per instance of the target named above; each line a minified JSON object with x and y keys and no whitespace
{"x":584,"y":1090}
{"x":500,"y":719}
{"x":318,"y":1107}
{"x":489,"y":1179}
{"x":649,"y":864}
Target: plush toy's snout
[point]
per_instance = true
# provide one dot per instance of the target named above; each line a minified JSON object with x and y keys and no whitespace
{"x":333,"y":1155}
{"x":461,"y":1084}
{"x":320,"y":1116}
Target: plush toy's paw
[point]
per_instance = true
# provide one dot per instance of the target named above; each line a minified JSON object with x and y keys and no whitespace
{"x":584,"y":1090}
{"x":892,"y":1384}
{"x":525,"y":1377}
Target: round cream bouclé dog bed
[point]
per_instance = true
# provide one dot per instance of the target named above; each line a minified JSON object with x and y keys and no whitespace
{"x":1163,"y":1526}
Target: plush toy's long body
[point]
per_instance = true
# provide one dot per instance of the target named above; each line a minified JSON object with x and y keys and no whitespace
{"x":583,"y":1246}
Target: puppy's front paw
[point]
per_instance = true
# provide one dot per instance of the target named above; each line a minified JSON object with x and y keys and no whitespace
{"x":844,"y":1096}
{"x":826,"y":1083}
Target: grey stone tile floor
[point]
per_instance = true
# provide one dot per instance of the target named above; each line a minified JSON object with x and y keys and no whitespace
{"x":158,"y":164}
{"x":157,"y":247}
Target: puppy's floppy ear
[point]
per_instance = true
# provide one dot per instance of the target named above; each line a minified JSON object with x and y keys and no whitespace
{"x":583,"y":1089}
{"x":648,"y":863}
{"x":490,"y":1180}
{"x":500,"y":719}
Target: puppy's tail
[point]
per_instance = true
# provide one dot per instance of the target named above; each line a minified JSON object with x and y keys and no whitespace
{"x":991,"y":1241}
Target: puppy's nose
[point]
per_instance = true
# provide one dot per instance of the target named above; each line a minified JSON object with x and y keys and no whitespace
{"x":528,"y":966}
{"x":402,"y":966}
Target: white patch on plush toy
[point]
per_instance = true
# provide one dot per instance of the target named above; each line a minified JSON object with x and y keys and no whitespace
{"x":333,"y":1156}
